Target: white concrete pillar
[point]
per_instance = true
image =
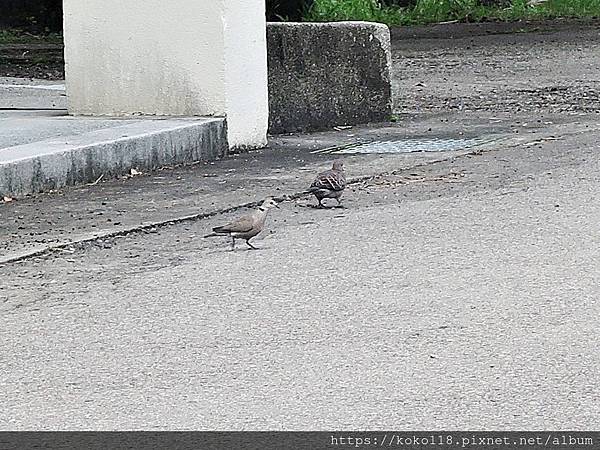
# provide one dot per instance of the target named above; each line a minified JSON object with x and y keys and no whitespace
{"x":170,"y":58}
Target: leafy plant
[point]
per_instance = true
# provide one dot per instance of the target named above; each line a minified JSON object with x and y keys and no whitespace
{"x":434,"y":11}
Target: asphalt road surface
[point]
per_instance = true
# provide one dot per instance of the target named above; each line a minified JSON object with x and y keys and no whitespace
{"x":455,"y":298}
{"x":457,"y":294}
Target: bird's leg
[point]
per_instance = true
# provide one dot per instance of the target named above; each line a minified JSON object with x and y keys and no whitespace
{"x":321,"y":205}
{"x":232,"y":243}
{"x":250,"y":245}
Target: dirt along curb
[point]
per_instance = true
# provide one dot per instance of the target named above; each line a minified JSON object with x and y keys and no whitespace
{"x":457,"y":30}
{"x":220,"y":190}
{"x":153,"y":226}
{"x":38,"y":60}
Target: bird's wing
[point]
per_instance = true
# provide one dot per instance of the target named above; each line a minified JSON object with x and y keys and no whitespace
{"x":330,"y":179}
{"x":241,"y":225}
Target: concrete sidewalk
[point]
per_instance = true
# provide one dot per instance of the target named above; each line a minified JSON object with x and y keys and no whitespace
{"x":24,"y":93}
{"x":42,"y":148}
{"x":21,"y":127}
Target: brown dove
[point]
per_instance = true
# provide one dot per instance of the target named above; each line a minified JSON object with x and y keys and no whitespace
{"x":247,"y":226}
{"x":329,"y":184}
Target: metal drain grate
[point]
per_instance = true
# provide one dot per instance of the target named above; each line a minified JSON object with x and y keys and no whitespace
{"x":410,"y":146}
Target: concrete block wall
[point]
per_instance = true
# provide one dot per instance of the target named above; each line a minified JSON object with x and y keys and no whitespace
{"x":326,"y":74}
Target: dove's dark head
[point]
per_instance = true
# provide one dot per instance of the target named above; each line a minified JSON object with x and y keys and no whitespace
{"x":338,"y":164}
{"x":269,"y":203}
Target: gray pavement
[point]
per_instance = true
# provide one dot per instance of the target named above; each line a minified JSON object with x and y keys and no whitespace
{"x":26,"y":127}
{"x":24,"y":93}
{"x":531,"y":75}
{"x":456,"y":290}
{"x":463,"y":295}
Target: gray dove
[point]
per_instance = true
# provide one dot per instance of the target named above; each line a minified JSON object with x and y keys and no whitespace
{"x":247,"y":226}
{"x":329,"y":184}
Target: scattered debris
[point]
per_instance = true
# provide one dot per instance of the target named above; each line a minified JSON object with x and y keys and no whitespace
{"x":97,"y":181}
{"x":541,"y":141}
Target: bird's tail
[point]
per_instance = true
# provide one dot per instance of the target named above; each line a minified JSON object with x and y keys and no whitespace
{"x":217,"y":231}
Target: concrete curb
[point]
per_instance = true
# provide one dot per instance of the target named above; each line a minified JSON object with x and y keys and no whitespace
{"x":109,"y":153}
{"x":17,"y":257}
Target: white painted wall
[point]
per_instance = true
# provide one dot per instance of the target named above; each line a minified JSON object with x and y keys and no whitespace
{"x":246,"y":77}
{"x":171,"y":58}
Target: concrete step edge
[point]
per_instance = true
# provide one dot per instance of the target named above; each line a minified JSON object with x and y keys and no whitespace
{"x":108,"y":153}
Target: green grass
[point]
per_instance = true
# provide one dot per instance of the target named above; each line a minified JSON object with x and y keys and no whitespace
{"x":15,"y":36}
{"x":435,"y":11}
{"x":571,"y":8}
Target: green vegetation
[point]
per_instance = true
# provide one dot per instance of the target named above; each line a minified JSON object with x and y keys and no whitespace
{"x":434,"y":11}
{"x":14,"y":36}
